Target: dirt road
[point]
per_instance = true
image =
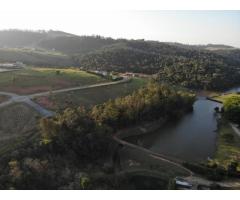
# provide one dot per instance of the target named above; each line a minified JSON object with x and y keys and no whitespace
{"x":14,"y":98}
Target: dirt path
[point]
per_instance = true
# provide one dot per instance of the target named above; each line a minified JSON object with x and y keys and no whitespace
{"x":192,"y":178}
{"x":153,"y":154}
{"x":124,"y":80}
{"x":14,"y":98}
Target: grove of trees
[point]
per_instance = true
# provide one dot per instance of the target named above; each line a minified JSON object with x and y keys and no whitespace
{"x":74,"y":146}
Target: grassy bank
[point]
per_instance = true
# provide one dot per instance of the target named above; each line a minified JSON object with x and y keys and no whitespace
{"x":134,"y":159}
{"x":223,"y":166}
{"x":228,"y":145}
{"x":222,"y":98}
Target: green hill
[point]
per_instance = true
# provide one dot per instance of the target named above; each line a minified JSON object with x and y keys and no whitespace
{"x":212,"y":66}
{"x":33,"y":57}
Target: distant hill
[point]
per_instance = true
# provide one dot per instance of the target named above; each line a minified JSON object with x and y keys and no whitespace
{"x":20,"y":45}
{"x":21,"y":38}
{"x":199,"y":66}
{"x":216,"y":47}
{"x":191,"y":66}
{"x":36,"y":58}
{"x":52,"y":40}
{"x":75,"y":44}
{"x":135,"y":56}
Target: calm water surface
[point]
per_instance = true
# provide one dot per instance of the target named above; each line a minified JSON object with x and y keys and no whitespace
{"x":192,"y":138}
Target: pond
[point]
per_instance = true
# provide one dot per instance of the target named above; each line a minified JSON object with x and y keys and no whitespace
{"x":192,"y":138}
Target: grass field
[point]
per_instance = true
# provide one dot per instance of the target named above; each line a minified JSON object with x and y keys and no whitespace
{"x":89,"y":97}
{"x":223,"y":97}
{"x":228,"y":145}
{"x":34,"y":80}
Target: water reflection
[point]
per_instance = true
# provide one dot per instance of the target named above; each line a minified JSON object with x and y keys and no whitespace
{"x":191,"y":138}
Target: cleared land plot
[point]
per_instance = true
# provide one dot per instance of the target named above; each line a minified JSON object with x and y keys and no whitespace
{"x":34,"y":80}
{"x":228,"y":145}
{"x":89,"y":97}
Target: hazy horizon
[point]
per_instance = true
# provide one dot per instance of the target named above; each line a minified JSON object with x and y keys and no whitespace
{"x":187,"y":27}
{"x":47,"y":30}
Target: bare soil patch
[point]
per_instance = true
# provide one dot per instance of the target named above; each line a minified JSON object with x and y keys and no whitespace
{"x":3,"y":98}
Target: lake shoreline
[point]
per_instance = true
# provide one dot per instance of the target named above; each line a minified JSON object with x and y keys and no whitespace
{"x":215,"y":100}
{"x":145,"y":128}
{"x":183,"y":138}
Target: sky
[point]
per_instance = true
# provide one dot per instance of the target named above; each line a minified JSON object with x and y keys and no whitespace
{"x":188,"y":27}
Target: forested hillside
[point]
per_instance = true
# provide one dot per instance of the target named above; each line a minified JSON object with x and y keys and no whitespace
{"x":190,"y":67}
{"x":202,"y":72}
{"x":134,"y":56}
{"x":195,"y":66}
{"x":35,"y":57}
{"x":75,"y":44}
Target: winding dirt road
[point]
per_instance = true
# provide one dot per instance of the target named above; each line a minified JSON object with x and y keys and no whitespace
{"x":155,"y":155}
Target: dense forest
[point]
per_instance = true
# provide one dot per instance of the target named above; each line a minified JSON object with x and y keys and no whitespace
{"x":203,"y":72}
{"x":75,"y":149}
{"x":200,"y":69}
{"x":195,"y":66}
{"x":134,"y":56}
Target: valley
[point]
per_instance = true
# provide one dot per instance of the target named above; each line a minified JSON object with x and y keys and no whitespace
{"x":62,"y":113}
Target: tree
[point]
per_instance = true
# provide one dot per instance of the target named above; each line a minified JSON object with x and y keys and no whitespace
{"x":232,"y":109}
